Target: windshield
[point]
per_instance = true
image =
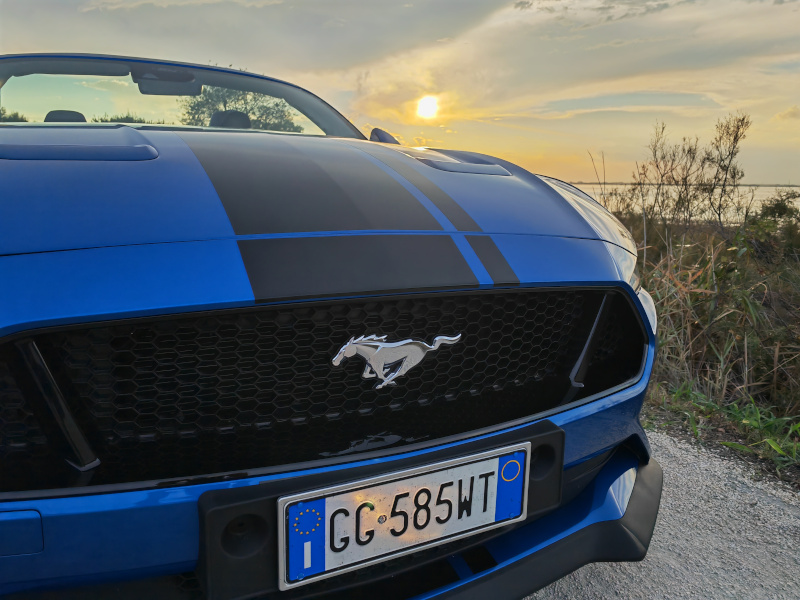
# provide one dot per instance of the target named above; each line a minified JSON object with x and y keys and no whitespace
{"x":146,"y":93}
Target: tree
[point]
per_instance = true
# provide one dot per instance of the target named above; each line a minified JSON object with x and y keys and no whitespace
{"x":721,"y":182}
{"x":15,"y":117}
{"x":126,"y":118}
{"x":265,"y":112}
{"x":679,"y":184}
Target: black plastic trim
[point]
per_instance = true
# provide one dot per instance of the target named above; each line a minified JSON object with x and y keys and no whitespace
{"x":83,"y":457}
{"x":578,"y":372}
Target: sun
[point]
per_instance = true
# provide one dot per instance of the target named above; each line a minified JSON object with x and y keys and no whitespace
{"x":427,"y":107}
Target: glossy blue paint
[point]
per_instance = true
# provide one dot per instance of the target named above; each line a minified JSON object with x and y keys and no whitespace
{"x":95,"y":153}
{"x":604,"y":224}
{"x":20,"y":532}
{"x":150,"y":532}
{"x":605,"y":500}
{"x":602,"y":221}
{"x":62,"y":205}
{"x":539,"y":260}
{"x":498,"y":204}
{"x":55,"y":288}
{"x":113,"y":142}
{"x":649,"y":308}
{"x":600,"y":425}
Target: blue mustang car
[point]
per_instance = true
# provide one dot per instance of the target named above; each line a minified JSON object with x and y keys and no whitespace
{"x":246,"y":352}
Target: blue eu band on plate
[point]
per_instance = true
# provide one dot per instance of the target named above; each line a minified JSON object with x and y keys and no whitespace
{"x":328,"y":532}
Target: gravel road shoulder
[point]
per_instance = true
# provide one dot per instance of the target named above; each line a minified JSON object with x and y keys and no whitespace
{"x":723,"y":531}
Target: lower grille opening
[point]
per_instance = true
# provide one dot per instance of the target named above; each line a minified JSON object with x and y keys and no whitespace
{"x":235,"y":390}
{"x":29,"y":455}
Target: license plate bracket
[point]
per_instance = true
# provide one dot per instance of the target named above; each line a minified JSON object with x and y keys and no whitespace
{"x":252,"y":571}
{"x":327,"y":532}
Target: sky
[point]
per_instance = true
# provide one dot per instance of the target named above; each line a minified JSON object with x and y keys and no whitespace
{"x":542,"y":83}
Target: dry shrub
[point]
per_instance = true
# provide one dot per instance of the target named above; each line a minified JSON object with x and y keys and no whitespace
{"x":725,"y":276}
{"x":729,"y":329}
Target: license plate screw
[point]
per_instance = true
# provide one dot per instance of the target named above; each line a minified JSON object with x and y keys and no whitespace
{"x":382,"y":519}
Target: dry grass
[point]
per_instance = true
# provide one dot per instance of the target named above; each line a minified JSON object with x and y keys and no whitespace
{"x":725,"y":276}
{"x":729,"y":340}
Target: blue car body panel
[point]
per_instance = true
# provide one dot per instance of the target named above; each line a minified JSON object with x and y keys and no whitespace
{"x":59,"y":288}
{"x":119,"y":231}
{"x":73,"y":204}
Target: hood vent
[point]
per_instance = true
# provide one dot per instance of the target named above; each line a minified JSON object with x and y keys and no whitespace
{"x":76,"y":152}
{"x":459,"y":167}
{"x":74,"y":142}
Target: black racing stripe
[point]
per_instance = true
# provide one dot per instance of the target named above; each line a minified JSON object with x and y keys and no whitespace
{"x":493,"y":260}
{"x":451,"y":209}
{"x":313,"y":267}
{"x":280,"y":184}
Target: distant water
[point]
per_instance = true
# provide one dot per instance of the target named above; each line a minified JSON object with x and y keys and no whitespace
{"x":762,"y":192}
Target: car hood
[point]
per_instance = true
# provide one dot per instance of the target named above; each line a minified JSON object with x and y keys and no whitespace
{"x":80,"y":187}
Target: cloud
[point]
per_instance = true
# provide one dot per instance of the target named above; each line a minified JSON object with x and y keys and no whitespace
{"x":789,"y":66}
{"x":618,"y":10}
{"x":545,"y":5}
{"x":105,"y":85}
{"x":622,"y":42}
{"x":279,"y":38}
{"x":629,"y":101}
{"x":534,"y":80}
{"x":130,"y":4}
{"x":788,"y":114}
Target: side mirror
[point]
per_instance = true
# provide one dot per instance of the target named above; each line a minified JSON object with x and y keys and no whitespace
{"x":379,"y":135}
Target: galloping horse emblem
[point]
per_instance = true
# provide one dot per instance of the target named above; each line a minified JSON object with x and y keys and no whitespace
{"x":388,"y":360}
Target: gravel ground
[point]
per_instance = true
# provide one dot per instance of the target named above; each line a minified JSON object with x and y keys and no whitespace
{"x":721,"y":533}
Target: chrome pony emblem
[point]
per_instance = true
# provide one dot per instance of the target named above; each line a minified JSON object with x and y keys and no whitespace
{"x":388,"y":360}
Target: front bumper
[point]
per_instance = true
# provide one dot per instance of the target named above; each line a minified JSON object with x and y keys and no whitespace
{"x":611,"y":520}
{"x":91,"y":538}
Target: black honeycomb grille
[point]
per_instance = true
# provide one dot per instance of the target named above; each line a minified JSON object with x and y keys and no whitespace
{"x":20,"y":431}
{"x":247,"y":389}
{"x":618,"y":349}
{"x":28,"y":459}
{"x":255,"y":388}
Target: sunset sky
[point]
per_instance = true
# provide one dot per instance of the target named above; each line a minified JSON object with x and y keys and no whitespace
{"x":538,"y":82}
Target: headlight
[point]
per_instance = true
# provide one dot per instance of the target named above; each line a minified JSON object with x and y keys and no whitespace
{"x":628,"y":271}
{"x":626,"y":265}
{"x":649,"y":309}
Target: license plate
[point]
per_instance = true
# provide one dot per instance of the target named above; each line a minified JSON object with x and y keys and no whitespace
{"x":339,"y":529}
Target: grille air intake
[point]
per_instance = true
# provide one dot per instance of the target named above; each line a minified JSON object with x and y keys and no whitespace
{"x":252,"y":388}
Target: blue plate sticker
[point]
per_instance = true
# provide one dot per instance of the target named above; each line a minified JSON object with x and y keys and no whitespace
{"x":306,"y":533}
{"x":510,"y":486}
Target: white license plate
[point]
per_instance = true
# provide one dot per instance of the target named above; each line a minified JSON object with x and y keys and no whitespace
{"x":339,"y":529}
